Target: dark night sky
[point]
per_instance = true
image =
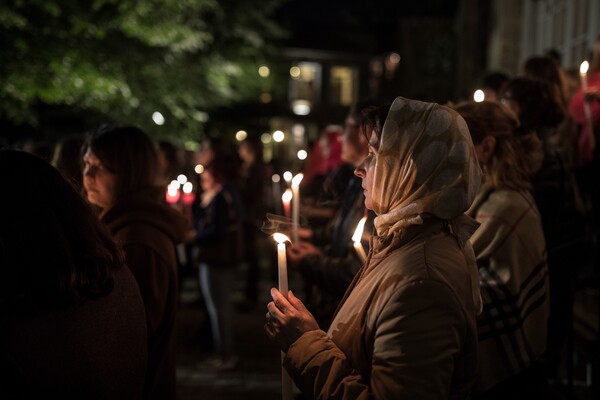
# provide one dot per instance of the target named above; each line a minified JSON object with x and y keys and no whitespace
{"x":353,"y":26}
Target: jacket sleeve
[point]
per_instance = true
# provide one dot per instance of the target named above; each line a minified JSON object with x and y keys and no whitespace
{"x":417,"y":337}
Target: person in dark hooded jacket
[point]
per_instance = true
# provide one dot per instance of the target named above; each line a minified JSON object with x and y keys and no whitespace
{"x":119,"y":178}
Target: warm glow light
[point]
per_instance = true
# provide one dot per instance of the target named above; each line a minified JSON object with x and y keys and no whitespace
{"x":265,"y":138}
{"x":479,"y":96}
{"x":287,"y":196}
{"x":394,"y":58}
{"x":359,"y":230}
{"x":281,"y":238}
{"x":199,"y":169}
{"x":296,"y":180}
{"x":264,"y":71}
{"x":172,"y":190}
{"x":241,"y":135}
{"x":182,"y":179}
{"x":295,"y":72}
{"x":302,"y":154}
{"x":301,"y":107}
{"x":276,"y":178}
{"x":278,"y":136}
{"x":287,"y":176}
{"x":158,"y":118}
{"x":188,"y":187}
{"x":583,"y":68}
{"x":265,"y":97}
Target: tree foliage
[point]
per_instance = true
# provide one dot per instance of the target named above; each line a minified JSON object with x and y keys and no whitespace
{"x":126,"y":59}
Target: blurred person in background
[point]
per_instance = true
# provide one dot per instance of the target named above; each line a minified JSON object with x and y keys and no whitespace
{"x":510,"y":249}
{"x":120,"y":177}
{"x":555,"y":192}
{"x":252,"y":191}
{"x":219,"y":236}
{"x":72,"y":317}
{"x":326,"y":258}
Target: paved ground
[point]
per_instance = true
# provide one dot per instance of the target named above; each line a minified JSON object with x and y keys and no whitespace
{"x":258,"y":373}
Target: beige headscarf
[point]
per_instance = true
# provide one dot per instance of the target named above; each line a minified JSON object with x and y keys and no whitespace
{"x":426,"y":165}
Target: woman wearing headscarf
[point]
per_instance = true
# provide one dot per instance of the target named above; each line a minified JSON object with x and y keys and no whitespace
{"x":406,"y":326}
{"x":510,"y":249}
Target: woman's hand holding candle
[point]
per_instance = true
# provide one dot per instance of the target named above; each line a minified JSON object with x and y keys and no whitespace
{"x":287,"y":320}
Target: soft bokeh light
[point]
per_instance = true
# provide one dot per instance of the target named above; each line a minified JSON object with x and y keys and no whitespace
{"x":188,"y":187}
{"x":265,"y":97}
{"x":265,"y":138}
{"x":301,"y":107}
{"x":264,"y":71}
{"x":241,"y":135}
{"x":394,"y":58}
{"x":302,"y":154}
{"x":479,"y":96}
{"x":295,"y":72}
{"x":182,"y":179}
{"x":297,"y":179}
{"x":199,"y":169}
{"x":158,"y":118}
{"x":278,"y":136}
{"x":287,"y":176}
{"x":175,"y":184}
{"x":286,"y":197}
{"x":583,"y":68}
{"x":276,"y":178}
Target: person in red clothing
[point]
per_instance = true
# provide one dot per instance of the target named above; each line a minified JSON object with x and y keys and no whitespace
{"x":119,"y":177}
{"x":72,"y":317}
{"x":589,"y":132}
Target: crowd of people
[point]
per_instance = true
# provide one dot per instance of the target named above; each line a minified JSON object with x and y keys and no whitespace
{"x":478,"y":219}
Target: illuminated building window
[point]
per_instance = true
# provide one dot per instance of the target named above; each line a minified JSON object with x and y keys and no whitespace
{"x":305,"y":82}
{"x":343,"y":85}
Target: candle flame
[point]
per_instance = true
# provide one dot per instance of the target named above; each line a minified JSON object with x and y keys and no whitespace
{"x":297,"y":179}
{"x":287,"y":196}
{"x":281,"y":238}
{"x":359,"y":230}
{"x":583,"y":69}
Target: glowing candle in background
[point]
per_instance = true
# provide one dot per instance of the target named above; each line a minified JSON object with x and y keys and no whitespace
{"x":583,"y":69}
{"x":286,"y":199}
{"x":276,"y":192}
{"x":478,"y":96}
{"x":188,"y":195}
{"x":287,"y":177}
{"x":356,"y":238}
{"x":296,"y":206}
{"x":173,"y":194}
{"x":280,"y":238}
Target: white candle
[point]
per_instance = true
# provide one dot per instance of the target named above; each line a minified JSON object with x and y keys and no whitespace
{"x":583,"y":69}
{"x":280,"y":238}
{"x":296,"y":206}
{"x":356,"y":238}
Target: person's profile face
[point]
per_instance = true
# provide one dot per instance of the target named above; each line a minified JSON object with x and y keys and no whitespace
{"x":207,"y":180}
{"x":99,"y":182}
{"x":366,"y":170}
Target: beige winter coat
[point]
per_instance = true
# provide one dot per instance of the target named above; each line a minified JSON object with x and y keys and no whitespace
{"x":406,"y":330}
